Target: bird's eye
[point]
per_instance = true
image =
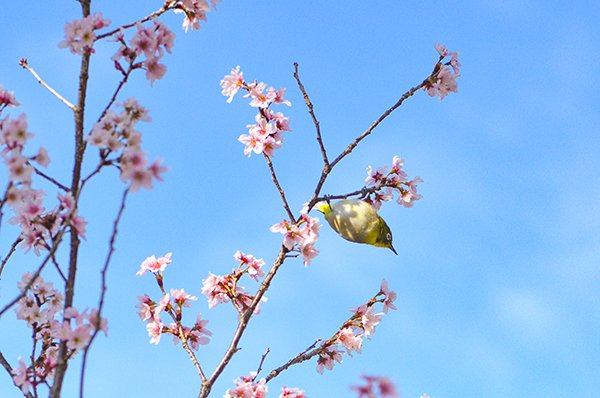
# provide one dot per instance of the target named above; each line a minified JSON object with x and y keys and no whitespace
{"x":389,"y":236}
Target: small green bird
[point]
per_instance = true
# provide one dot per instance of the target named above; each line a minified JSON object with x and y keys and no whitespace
{"x":357,"y":221}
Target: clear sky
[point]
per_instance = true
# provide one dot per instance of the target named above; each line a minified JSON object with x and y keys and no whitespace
{"x":499,"y":264}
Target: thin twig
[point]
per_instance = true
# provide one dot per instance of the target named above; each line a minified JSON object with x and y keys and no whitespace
{"x":281,"y":193}
{"x":9,"y":369}
{"x":166,"y":7}
{"x":262,"y":360}
{"x":312,"y":114}
{"x":47,"y":177}
{"x":62,"y":275}
{"x":4,"y":199}
{"x":191,"y":354}
{"x":25,"y":65}
{"x":301,"y":357}
{"x":10,"y":253}
{"x":97,"y":321}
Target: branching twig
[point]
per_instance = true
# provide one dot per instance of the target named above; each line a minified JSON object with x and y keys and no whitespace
{"x":301,"y":357}
{"x":98,"y":320}
{"x":312,"y":114}
{"x":25,"y":65}
{"x":281,"y":193}
{"x":353,"y":144}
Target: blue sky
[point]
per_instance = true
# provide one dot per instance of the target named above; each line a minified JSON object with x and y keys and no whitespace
{"x":499,"y":264}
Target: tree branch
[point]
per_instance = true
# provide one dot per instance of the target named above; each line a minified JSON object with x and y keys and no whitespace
{"x":25,"y":65}
{"x":98,"y":320}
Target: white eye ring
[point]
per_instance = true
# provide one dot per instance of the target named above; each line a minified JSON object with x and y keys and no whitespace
{"x":389,"y":236}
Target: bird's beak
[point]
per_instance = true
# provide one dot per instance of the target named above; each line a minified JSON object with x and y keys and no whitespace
{"x":392,"y":249}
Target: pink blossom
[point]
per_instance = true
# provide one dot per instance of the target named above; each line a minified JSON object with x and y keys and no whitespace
{"x":397,"y":164}
{"x":154,"y":70}
{"x":276,"y":96}
{"x":308,"y":253}
{"x":79,"y":224}
{"x":408,"y":196}
{"x":145,"y":307}
{"x":328,"y":357}
{"x":375,"y":177}
{"x":154,"y":329}
{"x":42,"y":157}
{"x":13,"y":132}
{"x":441,"y":49}
{"x":7,"y":98}
{"x":80,"y":35}
{"x":154,"y":265}
{"x":232,"y":83}
{"x":287,"y":392}
{"x":78,"y":338}
{"x":349,"y":340}
{"x":382,"y":385}
{"x":181,"y":298}
{"x":444,"y":84}
{"x":369,"y":320}
{"x":246,"y":387}
{"x":19,"y":168}
{"x":389,"y":297}
{"x":215,"y":289}
{"x":254,"y":266}
{"x":162,"y":305}
{"x":256,"y":92}
{"x":21,"y":378}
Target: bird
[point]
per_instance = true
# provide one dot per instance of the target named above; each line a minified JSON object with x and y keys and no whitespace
{"x":357,"y":221}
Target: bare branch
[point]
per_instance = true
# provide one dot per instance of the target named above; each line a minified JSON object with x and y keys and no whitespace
{"x":111,"y":250}
{"x":301,"y":357}
{"x":262,"y":360}
{"x":281,"y":193}
{"x":25,"y":65}
{"x":48,"y":178}
{"x":312,"y":114}
{"x":10,"y":252}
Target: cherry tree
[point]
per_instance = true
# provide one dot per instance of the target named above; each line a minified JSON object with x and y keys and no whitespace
{"x":50,"y":227}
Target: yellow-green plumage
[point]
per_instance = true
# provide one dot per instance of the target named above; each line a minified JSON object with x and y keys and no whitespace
{"x":357,"y":221}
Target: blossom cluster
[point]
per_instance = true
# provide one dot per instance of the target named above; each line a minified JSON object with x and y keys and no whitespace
{"x":361,"y":324}
{"x":80,"y":34}
{"x":37,"y":225}
{"x":151,"y":43}
{"x":383,"y":184}
{"x":300,"y":236}
{"x":171,"y":304}
{"x":195,"y":11}
{"x":41,"y":308}
{"x":376,"y":387}
{"x":248,"y":387}
{"x":444,"y":82}
{"x":224,"y":288}
{"x":266,"y":134}
{"x":115,"y":132}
